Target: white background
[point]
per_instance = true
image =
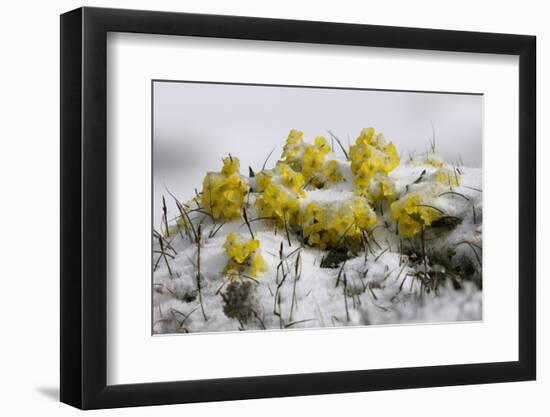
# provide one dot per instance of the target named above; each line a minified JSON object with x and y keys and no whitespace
{"x":29,"y":174}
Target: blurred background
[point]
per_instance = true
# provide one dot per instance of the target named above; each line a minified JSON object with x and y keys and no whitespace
{"x":196,"y":124}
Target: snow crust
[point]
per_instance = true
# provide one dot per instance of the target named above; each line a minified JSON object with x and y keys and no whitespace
{"x":376,"y":287}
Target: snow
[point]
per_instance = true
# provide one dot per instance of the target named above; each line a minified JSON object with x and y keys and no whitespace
{"x":376,"y":287}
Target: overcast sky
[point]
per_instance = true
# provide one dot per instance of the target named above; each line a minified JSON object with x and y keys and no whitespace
{"x":196,"y":124}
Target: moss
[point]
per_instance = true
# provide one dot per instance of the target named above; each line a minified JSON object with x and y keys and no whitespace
{"x":240,"y":301}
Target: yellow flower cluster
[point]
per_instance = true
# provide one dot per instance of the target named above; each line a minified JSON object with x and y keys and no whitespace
{"x":330,"y":224}
{"x":372,"y":159}
{"x":380,"y":188}
{"x":284,"y":175}
{"x":411,"y":214}
{"x":311,"y":159}
{"x":447,"y":177}
{"x":293,"y":149}
{"x":281,"y":188}
{"x":371,"y":155}
{"x":223,"y":193}
{"x":244,"y":257}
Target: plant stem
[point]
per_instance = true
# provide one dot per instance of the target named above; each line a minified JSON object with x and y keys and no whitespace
{"x":248,"y":223}
{"x":199,"y":272}
{"x":424,"y":251}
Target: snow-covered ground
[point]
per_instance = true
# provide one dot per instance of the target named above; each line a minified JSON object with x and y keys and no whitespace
{"x":384,"y":284}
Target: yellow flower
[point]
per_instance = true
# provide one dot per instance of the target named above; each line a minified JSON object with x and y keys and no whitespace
{"x":294,"y":137}
{"x":310,"y":159}
{"x":372,"y":159}
{"x":293,"y":146}
{"x":380,"y":188}
{"x":332,"y":172}
{"x":446,"y":177}
{"x":336,"y":223}
{"x":230,"y":165}
{"x":374,"y":151}
{"x":342,"y":224}
{"x":238,"y":250}
{"x":313,"y":222}
{"x":281,"y":189}
{"x":367,"y":137}
{"x":321,"y":144}
{"x":279,"y":203}
{"x":392,"y":157}
{"x":290,"y":178}
{"x":243,"y":256}
{"x":364,"y":174}
{"x":312,"y":164}
{"x":223,"y":193}
{"x":363,"y":214}
{"x":263,"y":180}
{"x":257,"y":266}
{"x":412,"y":215}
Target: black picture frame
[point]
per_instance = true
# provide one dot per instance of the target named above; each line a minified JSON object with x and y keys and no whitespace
{"x":84,"y":207}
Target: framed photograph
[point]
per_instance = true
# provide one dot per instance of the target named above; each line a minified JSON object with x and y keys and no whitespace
{"x":256,"y":207}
